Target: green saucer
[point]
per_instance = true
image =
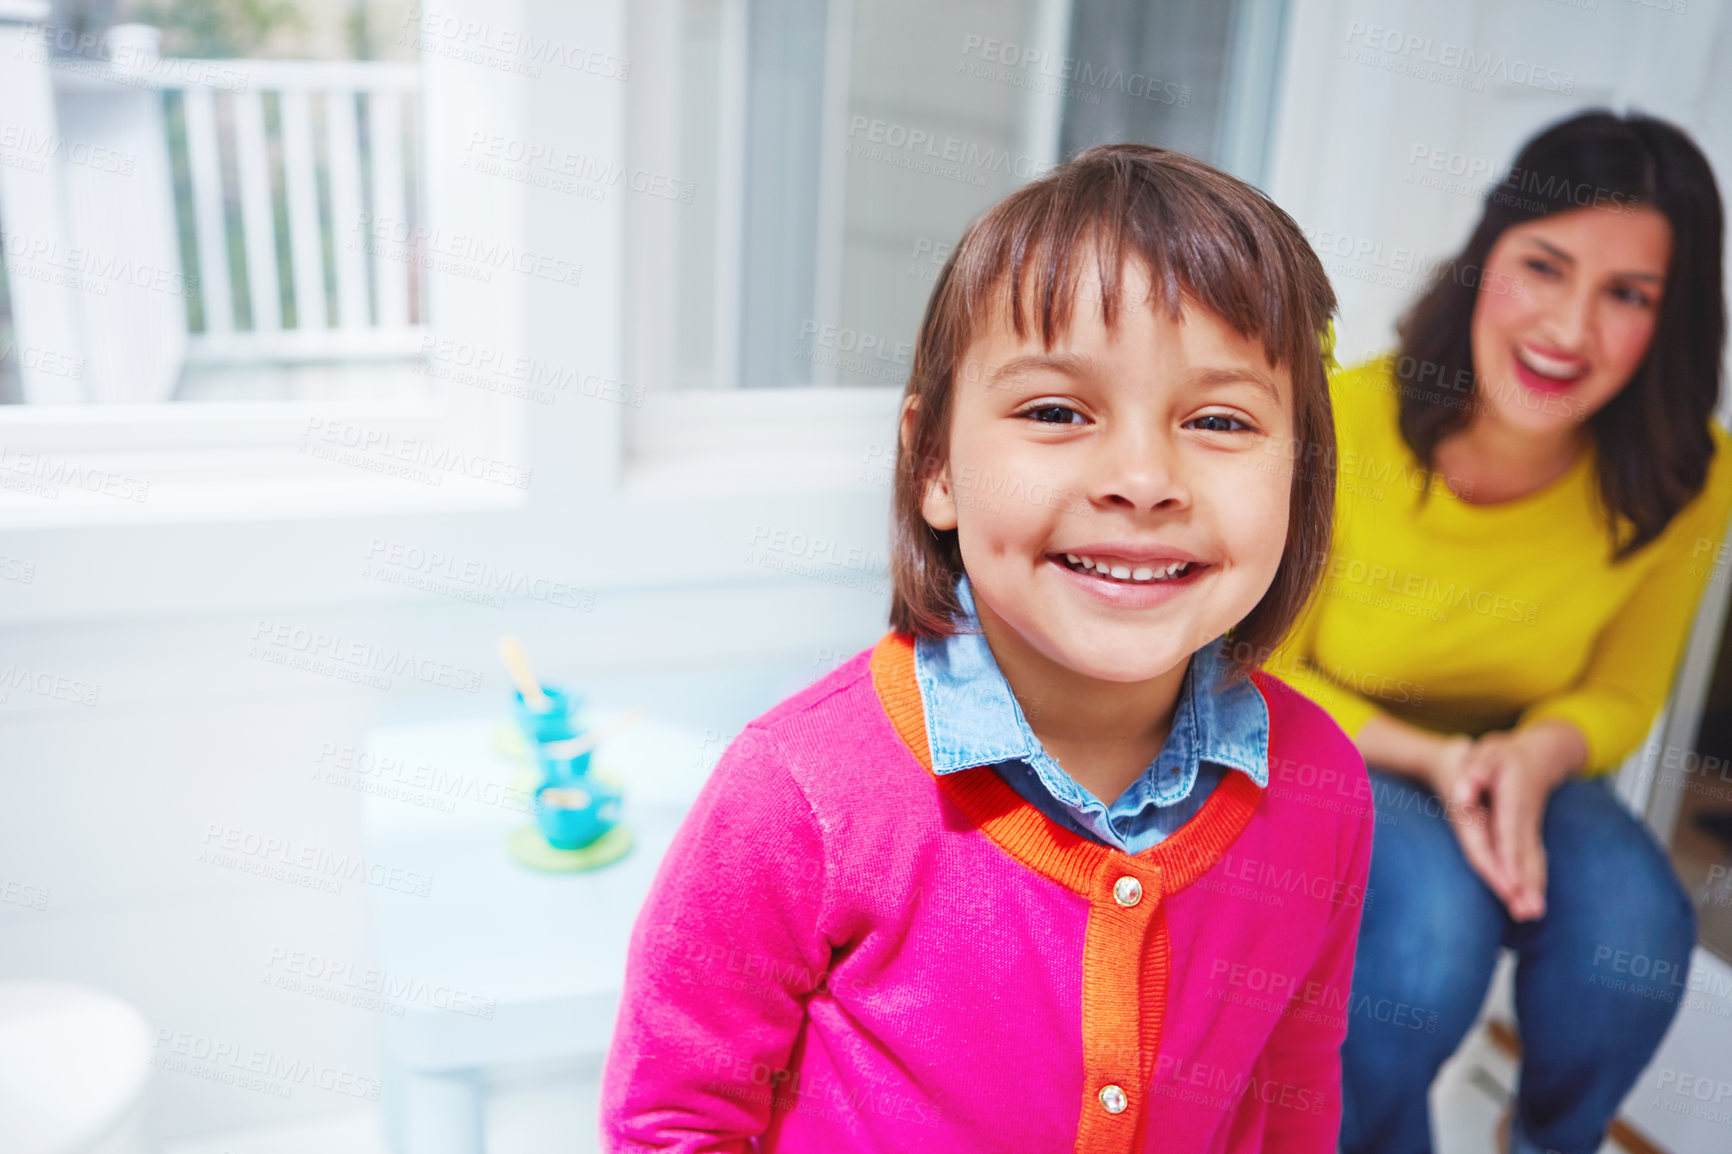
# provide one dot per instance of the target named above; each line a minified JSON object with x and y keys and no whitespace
{"x":531,"y":849}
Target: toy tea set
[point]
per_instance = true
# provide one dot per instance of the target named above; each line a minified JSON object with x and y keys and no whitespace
{"x":577,"y":805}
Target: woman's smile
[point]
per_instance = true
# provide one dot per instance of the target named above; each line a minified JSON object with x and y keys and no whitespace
{"x":1546,"y":371}
{"x":1558,"y":351}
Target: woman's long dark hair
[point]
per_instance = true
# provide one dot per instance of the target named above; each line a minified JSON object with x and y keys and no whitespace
{"x":1653,"y":438}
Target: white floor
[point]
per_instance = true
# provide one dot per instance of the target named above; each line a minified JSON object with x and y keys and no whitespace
{"x":555,"y":1109}
{"x":527,"y":1113}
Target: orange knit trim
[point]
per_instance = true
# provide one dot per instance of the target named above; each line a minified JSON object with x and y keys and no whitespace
{"x":1126,"y":950}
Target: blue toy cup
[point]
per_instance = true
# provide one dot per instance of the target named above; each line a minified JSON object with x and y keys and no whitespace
{"x":556,"y":724}
{"x":576,"y":813}
{"x":557,"y":770}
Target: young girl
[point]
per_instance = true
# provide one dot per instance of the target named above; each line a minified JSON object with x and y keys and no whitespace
{"x":1049,"y":867}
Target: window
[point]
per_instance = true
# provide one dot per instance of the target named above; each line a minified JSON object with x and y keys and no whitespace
{"x":833,"y":153}
{"x":183,"y":232}
{"x":201,"y":226}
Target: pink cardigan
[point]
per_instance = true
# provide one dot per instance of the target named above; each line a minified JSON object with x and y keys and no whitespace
{"x":845,"y":952}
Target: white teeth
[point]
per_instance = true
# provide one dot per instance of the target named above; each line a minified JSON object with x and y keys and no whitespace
{"x":1547,"y":366}
{"x":1125,"y":572}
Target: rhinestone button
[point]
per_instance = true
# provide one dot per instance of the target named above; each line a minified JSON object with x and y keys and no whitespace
{"x":1113,"y":1099}
{"x":1127,"y":891}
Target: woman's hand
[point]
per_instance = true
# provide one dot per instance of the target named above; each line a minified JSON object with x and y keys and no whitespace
{"x":1536,"y":759}
{"x":1462,"y":781}
{"x":1505,"y":779}
{"x":1494,"y":792}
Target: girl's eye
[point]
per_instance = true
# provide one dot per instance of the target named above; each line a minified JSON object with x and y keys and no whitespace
{"x":1065,"y":413}
{"x":1544,"y":267}
{"x":1630,"y":295}
{"x":1218,"y":423}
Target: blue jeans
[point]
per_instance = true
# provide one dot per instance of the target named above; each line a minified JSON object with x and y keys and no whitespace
{"x":1598,"y":978}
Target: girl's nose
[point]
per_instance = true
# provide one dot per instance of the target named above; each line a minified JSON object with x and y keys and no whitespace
{"x":1138,"y":471}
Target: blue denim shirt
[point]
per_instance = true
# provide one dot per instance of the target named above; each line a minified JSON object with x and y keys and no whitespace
{"x":972,"y":718}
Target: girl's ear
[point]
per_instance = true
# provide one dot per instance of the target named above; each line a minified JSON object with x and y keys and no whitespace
{"x":937,"y":501}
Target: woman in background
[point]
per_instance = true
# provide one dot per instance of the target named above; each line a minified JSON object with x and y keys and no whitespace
{"x":1531,"y":494}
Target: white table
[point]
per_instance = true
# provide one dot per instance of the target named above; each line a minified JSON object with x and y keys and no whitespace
{"x":546,"y":952}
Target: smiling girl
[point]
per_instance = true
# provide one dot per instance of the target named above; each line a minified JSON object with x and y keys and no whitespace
{"x":1051,"y":866}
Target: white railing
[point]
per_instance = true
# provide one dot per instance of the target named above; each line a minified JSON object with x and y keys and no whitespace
{"x":301,"y":185}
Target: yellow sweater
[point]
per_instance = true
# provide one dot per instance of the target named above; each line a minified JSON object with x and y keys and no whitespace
{"x":1468,"y":618}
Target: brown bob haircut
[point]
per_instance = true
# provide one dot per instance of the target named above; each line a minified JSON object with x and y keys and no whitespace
{"x":1209,"y":241}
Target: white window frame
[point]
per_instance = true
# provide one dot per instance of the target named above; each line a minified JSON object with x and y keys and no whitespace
{"x":733,"y":436}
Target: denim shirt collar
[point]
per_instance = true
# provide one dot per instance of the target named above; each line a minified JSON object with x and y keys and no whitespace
{"x":972,"y":719}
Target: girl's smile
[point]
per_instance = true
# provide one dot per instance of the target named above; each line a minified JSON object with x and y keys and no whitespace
{"x":1127,"y":576}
